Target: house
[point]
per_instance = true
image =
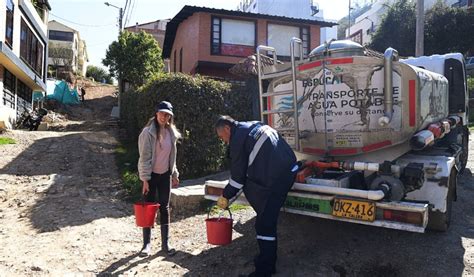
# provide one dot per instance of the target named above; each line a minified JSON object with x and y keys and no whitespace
{"x":155,"y":28}
{"x":209,"y":41}
{"x":304,"y":9}
{"x":67,"y":52}
{"x":23,"y":45}
{"x":366,"y":24}
{"x":82,"y":59}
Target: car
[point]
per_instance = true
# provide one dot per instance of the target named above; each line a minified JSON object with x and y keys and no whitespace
{"x":470,"y":65}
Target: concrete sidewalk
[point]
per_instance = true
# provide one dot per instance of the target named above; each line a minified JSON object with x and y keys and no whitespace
{"x":188,"y":197}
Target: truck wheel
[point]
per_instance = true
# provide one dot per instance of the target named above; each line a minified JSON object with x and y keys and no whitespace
{"x":438,"y":221}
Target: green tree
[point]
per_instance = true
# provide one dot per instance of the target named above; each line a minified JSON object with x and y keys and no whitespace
{"x":98,"y":74}
{"x":446,"y":30}
{"x":449,"y":30}
{"x":397,"y":29}
{"x":135,"y":57}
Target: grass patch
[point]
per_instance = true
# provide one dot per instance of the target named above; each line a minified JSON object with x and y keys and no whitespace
{"x":7,"y":141}
{"x":126,"y":157}
{"x":214,"y":210}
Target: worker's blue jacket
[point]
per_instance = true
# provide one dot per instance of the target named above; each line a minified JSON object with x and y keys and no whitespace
{"x":262,"y":163}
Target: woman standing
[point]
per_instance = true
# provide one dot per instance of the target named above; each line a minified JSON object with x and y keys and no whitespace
{"x":157,"y":167}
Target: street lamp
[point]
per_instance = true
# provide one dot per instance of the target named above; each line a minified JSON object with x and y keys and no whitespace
{"x":119,"y":79}
{"x":349,"y":27}
{"x":120,"y":15}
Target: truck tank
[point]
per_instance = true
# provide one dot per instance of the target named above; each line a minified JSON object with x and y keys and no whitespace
{"x":349,"y":106}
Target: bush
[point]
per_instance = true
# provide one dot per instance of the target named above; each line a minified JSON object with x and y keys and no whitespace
{"x":126,"y":157}
{"x":98,"y":74}
{"x":197,"y":102}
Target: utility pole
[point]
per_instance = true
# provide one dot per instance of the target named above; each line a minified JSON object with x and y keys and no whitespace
{"x":120,"y":20}
{"x":349,"y":26}
{"x":119,"y":77}
{"x":420,"y":28}
{"x":120,"y":15}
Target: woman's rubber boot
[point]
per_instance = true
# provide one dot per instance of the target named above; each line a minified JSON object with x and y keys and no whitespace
{"x":165,"y":245}
{"x":146,"y":249}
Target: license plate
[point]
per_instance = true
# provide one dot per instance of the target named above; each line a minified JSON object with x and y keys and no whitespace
{"x":353,"y":209}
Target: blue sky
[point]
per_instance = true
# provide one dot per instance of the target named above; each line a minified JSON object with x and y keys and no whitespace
{"x":98,"y":23}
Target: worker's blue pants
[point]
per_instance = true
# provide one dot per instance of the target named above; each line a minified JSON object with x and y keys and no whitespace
{"x":266,"y":228}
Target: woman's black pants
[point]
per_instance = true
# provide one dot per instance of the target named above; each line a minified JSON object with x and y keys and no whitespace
{"x":160,"y":189}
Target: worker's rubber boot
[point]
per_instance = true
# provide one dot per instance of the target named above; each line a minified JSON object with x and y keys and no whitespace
{"x":146,"y":249}
{"x":266,"y":260}
{"x":165,"y":244}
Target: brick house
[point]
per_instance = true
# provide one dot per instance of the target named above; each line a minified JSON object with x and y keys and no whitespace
{"x":210,"y":41}
{"x":155,"y":28}
{"x":23,"y":48}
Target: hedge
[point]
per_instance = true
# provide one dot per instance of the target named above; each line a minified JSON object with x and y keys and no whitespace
{"x":197,"y":102}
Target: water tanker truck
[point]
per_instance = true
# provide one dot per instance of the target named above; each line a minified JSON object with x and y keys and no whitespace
{"x":382,"y":140}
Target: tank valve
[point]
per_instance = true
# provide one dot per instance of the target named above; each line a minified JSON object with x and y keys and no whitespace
{"x":391,"y":186}
{"x":384,"y":121}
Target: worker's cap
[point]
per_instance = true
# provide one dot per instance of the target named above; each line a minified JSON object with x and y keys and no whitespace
{"x":165,"y":106}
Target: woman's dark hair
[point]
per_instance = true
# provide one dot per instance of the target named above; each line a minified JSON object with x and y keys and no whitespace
{"x":224,"y":120}
{"x":170,"y":124}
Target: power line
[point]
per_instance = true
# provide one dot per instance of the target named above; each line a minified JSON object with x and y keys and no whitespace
{"x":133,"y":9}
{"x":124,"y":13}
{"x":80,"y":24}
{"x":126,"y":4}
{"x":132,"y":4}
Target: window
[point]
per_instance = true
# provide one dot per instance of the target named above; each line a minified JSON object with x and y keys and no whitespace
{"x":181,"y":60}
{"x":174,"y":61}
{"x":216,"y":36}
{"x":9,"y":23}
{"x":279,"y":37}
{"x":305,"y":40}
{"x":60,"y":35}
{"x":31,"y":49}
{"x":24,"y":97}
{"x":232,"y":37}
{"x":9,"y":87}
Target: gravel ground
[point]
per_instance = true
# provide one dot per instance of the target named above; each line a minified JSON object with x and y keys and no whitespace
{"x":62,"y":213}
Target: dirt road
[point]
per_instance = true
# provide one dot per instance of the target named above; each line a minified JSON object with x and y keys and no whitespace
{"x":62,"y":213}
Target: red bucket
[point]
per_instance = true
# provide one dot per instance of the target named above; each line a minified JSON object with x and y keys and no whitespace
{"x":145,"y":213}
{"x":219,"y":230}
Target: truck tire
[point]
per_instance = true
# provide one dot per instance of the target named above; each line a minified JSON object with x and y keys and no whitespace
{"x":438,"y":221}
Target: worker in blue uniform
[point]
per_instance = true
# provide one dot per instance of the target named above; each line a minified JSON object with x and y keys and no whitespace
{"x":263,"y":165}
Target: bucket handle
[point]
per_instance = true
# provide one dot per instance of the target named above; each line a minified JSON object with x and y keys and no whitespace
{"x":143,"y":200}
{"x":220,"y":214}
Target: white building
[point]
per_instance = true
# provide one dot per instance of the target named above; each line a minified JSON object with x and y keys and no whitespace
{"x":23,"y":48}
{"x":366,"y":24}
{"x":305,"y":9}
{"x":67,"y":52}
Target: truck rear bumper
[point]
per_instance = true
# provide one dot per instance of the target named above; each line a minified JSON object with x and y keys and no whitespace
{"x":399,"y":215}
